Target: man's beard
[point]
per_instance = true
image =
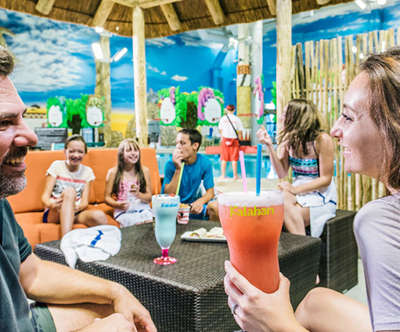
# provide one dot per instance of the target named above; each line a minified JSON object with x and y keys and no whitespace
{"x":11,"y":185}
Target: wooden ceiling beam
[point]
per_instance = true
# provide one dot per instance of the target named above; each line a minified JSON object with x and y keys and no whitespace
{"x":215,"y":10}
{"x":102,"y":13}
{"x":171,"y":16}
{"x":45,"y":6}
{"x":127,"y":3}
{"x":323,"y":2}
{"x":155,"y":3}
{"x":272,"y":6}
{"x":144,"y":3}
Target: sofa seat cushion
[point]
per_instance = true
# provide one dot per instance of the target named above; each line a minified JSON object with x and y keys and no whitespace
{"x":52,"y":232}
{"x":29,"y":218}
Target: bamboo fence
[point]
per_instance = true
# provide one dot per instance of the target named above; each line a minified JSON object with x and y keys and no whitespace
{"x":322,"y":70}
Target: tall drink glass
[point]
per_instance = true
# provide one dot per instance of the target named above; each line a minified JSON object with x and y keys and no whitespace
{"x":165,"y":209}
{"x":252,"y":226}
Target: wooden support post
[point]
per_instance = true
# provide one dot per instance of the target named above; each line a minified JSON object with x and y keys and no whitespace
{"x":215,"y":10}
{"x":103,"y":87}
{"x":140,"y":86}
{"x":102,"y":13}
{"x":283,"y":56}
{"x":45,"y":6}
{"x":171,"y":16}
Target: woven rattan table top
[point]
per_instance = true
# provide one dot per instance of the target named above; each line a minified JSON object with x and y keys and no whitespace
{"x":200,"y":264}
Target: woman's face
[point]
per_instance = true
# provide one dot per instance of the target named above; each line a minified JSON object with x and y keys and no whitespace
{"x":131,"y":155}
{"x":362,"y":146}
{"x":75,"y":152}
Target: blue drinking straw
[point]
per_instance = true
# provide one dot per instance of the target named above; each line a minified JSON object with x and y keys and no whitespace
{"x":258,"y":169}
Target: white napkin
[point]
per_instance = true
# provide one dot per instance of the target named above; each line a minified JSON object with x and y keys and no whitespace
{"x":91,"y":244}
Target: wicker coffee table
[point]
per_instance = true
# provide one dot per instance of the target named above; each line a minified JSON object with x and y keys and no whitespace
{"x":189,"y":295}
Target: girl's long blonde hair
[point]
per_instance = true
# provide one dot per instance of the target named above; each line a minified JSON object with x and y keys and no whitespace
{"x":301,"y":125}
{"x":128,"y":143}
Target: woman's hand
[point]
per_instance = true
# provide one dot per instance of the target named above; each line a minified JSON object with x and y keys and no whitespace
{"x":258,"y":311}
{"x":55,"y":203}
{"x":263,"y":136}
{"x":123,"y":205}
{"x":286,"y":186}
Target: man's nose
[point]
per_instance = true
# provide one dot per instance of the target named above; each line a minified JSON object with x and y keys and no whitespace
{"x":25,"y":136}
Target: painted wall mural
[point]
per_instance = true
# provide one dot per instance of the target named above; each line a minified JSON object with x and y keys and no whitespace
{"x":54,"y":59}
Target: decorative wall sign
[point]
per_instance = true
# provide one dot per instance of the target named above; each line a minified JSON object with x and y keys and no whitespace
{"x":95,"y":112}
{"x":210,"y":105}
{"x":56,"y":112}
{"x":167,"y":104}
{"x":258,"y":91}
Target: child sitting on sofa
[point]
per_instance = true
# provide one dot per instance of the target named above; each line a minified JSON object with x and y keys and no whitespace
{"x":66,"y":193}
{"x":128,"y":188}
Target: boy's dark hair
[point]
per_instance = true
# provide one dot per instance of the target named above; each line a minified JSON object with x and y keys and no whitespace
{"x":230,"y":107}
{"x":75,"y":137}
{"x":194,"y":135}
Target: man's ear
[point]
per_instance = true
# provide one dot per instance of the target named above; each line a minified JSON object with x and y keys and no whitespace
{"x":196,"y":146}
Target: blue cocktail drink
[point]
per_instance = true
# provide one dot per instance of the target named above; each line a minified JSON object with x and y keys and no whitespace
{"x":165,"y":209}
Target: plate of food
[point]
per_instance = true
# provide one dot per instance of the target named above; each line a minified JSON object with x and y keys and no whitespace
{"x":215,"y":234}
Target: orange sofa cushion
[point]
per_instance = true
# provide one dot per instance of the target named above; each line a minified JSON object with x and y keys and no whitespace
{"x":28,"y":207}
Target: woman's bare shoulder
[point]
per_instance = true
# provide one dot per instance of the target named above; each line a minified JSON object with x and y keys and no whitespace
{"x":323,"y":140}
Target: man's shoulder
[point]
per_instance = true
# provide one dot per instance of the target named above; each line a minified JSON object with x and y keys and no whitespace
{"x":170,"y":163}
{"x":203,"y":160}
{"x":169,"y":166}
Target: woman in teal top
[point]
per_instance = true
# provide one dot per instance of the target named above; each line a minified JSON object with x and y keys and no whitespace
{"x":303,"y":146}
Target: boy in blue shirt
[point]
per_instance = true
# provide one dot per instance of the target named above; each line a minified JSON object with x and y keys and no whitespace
{"x":196,"y":172}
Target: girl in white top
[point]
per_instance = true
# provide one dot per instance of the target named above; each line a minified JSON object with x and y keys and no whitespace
{"x":128,"y":188}
{"x":66,"y":193}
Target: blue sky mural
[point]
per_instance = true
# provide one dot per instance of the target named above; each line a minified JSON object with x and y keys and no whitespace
{"x":55,"y":58}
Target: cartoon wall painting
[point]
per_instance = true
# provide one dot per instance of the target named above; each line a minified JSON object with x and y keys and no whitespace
{"x":209,"y":106}
{"x":94,"y":116}
{"x":167,"y":105}
{"x":258,"y":91}
{"x":167,"y":111}
{"x":56,"y":116}
{"x":95,"y":111}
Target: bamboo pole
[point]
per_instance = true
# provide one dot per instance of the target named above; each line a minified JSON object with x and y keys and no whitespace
{"x":326,"y":80}
{"x":308,"y":47}
{"x":283,"y":58}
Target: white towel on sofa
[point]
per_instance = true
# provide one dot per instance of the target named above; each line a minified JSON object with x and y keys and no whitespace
{"x":91,"y":244}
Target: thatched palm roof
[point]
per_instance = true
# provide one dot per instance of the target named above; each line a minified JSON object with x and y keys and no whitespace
{"x":162,"y":17}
